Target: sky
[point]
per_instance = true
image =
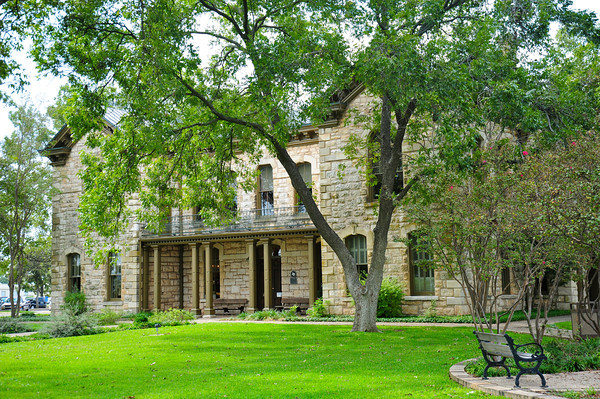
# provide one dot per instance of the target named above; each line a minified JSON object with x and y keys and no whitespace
{"x":43,"y":89}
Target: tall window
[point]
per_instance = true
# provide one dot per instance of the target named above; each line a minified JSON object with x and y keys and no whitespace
{"x":265,"y":188}
{"x":114,"y":275}
{"x":357,"y":245}
{"x":374,"y":164}
{"x":216,"y":273}
{"x":305,"y":170}
{"x":422,"y":277}
{"x":74,"y":273}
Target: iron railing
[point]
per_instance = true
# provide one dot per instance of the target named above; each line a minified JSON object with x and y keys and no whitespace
{"x":252,"y":220}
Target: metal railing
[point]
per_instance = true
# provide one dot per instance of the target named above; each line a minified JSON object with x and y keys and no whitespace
{"x":252,"y":220}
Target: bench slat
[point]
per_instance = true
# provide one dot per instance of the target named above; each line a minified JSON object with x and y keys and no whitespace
{"x":489,"y":337}
{"x":496,"y":349}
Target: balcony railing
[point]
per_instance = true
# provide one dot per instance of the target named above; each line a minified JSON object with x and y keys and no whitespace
{"x":253,"y":220}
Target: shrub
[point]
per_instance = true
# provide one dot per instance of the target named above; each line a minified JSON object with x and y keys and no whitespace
{"x":75,"y":303}
{"x":140,"y":320}
{"x":390,"y":298}
{"x":108,"y":316}
{"x":171,"y":317}
{"x":27,"y":314}
{"x":318,"y":309}
{"x":8,"y":325}
{"x":69,"y":325}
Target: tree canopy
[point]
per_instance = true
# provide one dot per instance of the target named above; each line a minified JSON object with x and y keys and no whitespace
{"x":440,"y":70}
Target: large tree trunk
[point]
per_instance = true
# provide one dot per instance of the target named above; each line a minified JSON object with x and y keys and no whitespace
{"x":365,"y":316}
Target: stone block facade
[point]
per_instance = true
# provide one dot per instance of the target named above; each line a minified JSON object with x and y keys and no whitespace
{"x":289,"y":259}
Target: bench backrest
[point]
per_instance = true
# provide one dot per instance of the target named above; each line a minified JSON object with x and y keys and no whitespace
{"x":494,"y":344}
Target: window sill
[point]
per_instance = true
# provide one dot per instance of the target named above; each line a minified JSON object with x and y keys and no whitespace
{"x":113,"y":302}
{"x":421,"y":298}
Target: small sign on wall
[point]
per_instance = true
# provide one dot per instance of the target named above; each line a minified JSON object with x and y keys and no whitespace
{"x":293,"y":277}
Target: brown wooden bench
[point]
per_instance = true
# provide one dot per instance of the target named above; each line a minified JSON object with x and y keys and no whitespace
{"x":301,"y":303}
{"x":501,"y":345}
{"x":229,"y":305}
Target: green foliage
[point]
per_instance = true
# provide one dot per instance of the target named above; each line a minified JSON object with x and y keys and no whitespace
{"x":318,"y":309}
{"x":74,"y":320}
{"x":27,"y":314}
{"x":108,"y":316}
{"x":5,"y":339}
{"x":171,"y":317}
{"x":391,"y":297}
{"x":71,"y":325}
{"x":75,"y":303}
{"x":141,"y":319}
{"x":10,"y":325}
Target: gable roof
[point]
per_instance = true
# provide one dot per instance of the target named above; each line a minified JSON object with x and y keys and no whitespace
{"x":59,"y":148}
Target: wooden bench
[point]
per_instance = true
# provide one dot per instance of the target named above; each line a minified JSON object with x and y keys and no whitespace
{"x":501,"y":345}
{"x":228,"y":305}
{"x":301,"y":303}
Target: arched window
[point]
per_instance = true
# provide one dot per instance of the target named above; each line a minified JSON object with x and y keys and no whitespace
{"x":357,"y":245}
{"x":74,"y":284}
{"x":266,"y":202}
{"x":114,"y":275}
{"x":422,"y":281}
{"x":305,"y":170}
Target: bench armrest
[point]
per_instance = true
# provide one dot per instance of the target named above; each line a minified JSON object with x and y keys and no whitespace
{"x":538,"y":352}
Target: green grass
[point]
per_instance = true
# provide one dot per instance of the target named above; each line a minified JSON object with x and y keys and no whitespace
{"x":239,"y":360}
{"x":565,"y":325}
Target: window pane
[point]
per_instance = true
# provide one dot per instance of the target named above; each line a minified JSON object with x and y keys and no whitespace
{"x":423,"y":281}
{"x":305,"y":172}
{"x":266,"y":178}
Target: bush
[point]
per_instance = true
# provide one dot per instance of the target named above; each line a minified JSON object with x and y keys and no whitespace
{"x":108,"y":316}
{"x":68,"y":325}
{"x":172,"y":317}
{"x":140,"y":320}
{"x":27,"y":315}
{"x":8,"y":325}
{"x":75,"y":303}
{"x":318,"y":309}
{"x":390,"y":298}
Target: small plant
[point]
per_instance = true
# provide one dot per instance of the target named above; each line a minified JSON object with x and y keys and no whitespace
{"x":318,"y":309}
{"x":172,"y":317}
{"x":391,"y":297}
{"x":75,"y":303}
{"x":107,"y":317}
{"x":8,"y":325}
{"x":27,"y":314}
{"x":431,"y":311}
{"x":140,"y":320}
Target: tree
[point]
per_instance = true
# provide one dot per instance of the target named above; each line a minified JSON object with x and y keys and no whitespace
{"x":25,"y":189}
{"x":18,"y":20}
{"x":275,"y":63}
{"x":38,"y":265}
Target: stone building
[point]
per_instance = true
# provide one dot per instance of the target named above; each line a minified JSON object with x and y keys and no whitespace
{"x":272,"y":257}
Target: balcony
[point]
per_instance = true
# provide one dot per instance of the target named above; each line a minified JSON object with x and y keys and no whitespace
{"x":270,"y":219}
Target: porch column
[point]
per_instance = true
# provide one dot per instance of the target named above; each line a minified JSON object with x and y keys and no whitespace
{"x":157,"y":288}
{"x":312,"y":272}
{"x":209,"y":310}
{"x":251,"y":276}
{"x":145,"y":278}
{"x":268,"y":272}
{"x":195,"y":279}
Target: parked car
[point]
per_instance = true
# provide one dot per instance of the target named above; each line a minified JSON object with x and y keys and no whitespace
{"x":34,"y":303}
{"x":6,"y":304}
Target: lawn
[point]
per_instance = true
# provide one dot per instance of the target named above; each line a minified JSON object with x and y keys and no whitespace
{"x":239,"y":360}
